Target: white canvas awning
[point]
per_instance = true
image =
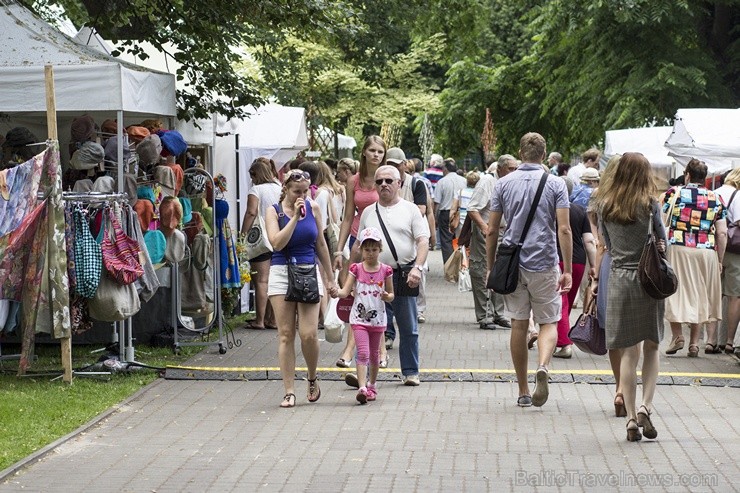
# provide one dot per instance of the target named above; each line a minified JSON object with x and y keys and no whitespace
{"x":709,"y":134}
{"x":649,"y":141}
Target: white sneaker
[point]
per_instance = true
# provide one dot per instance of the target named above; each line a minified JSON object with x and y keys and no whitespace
{"x":421,"y":318}
{"x":411,"y":381}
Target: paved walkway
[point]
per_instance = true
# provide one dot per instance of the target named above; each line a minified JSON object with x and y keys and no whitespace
{"x":461,"y":432}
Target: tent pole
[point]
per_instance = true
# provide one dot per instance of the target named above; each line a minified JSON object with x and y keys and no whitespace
{"x":51,"y":124}
{"x":238,"y":179}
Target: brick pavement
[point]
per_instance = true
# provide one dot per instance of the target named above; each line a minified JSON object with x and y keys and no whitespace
{"x":231,"y":436}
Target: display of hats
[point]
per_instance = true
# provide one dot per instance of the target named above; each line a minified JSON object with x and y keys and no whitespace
{"x":19,"y":137}
{"x":83,"y":129}
{"x":137,"y":134}
{"x":129,"y":186}
{"x":145,"y":211}
{"x":220,"y":182}
{"x":193,"y":227}
{"x":109,"y":127}
{"x":187,"y":209}
{"x":88,"y":156}
{"x":200,"y":251}
{"x":166,"y":178}
{"x":175,"y":249}
{"x":152,"y":125}
{"x":104,"y":184}
{"x":145,"y":193}
{"x":172,"y":142}
{"x":149,"y":149}
{"x":195,"y":183}
{"x":156,"y":244}
{"x":170,"y":215}
{"x":111,"y":150}
{"x":83,"y":186}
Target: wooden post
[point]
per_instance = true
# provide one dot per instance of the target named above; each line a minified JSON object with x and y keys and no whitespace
{"x":51,"y":124}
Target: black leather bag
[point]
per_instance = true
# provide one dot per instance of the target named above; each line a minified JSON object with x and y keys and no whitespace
{"x":504,"y":276}
{"x":733,"y":231}
{"x":586,"y":333}
{"x":401,"y":281}
{"x":303,"y":284}
{"x":654,"y":272}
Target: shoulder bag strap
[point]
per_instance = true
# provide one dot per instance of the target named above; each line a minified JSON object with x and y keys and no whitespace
{"x":732,"y":197}
{"x":281,"y":215}
{"x":671,"y":206}
{"x":387,"y":236}
{"x":532,"y":211}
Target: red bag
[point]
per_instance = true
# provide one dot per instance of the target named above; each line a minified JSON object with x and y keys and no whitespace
{"x":120,"y":253}
{"x":344,"y":308}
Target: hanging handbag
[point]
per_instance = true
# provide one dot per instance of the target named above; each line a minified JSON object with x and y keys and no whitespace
{"x":464,"y":284}
{"x":401,"y":272}
{"x":466,"y":232}
{"x":586,"y":333}
{"x":88,"y":257}
{"x":114,"y":301}
{"x":654,"y":272}
{"x":120,"y":252}
{"x":504,"y":275}
{"x":148,"y":283}
{"x":453,"y":265}
{"x":256,"y":240}
{"x":733,"y":231}
{"x":303,"y":281}
{"x":333,"y":325}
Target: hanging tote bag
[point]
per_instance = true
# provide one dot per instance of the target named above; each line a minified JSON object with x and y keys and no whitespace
{"x":120,"y":252}
{"x":654,"y":272}
{"x":333,"y":325}
{"x":257,"y":242}
{"x":733,"y":230}
{"x":464,"y":284}
{"x":88,"y":257}
{"x":586,"y":333}
{"x":113,"y":301}
{"x":452,"y":266}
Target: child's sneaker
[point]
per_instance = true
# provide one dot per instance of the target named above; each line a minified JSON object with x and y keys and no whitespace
{"x":372,"y":392}
{"x":362,"y":397}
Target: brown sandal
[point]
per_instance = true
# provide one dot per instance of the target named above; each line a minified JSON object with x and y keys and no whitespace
{"x":633,"y":432}
{"x":288,"y":401}
{"x":314,"y":392}
{"x":693,"y":351}
{"x":644,"y":422}
{"x":619,"y":410}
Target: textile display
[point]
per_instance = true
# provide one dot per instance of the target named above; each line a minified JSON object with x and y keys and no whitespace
{"x":230,"y":277}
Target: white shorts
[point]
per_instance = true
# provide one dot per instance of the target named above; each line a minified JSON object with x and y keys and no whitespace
{"x":277,"y":283}
{"x":536,"y":292}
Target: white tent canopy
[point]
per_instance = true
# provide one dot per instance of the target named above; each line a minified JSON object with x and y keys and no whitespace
{"x":85,"y":80}
{"x":709,"y":134}
{"x":648,"y":141}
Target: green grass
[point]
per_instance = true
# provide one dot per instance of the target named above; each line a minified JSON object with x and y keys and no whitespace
{"x":35,"y":411}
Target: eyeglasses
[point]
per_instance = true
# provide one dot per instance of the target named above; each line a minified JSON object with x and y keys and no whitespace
{"x":387,"y":181}
{"x":296,"y":175}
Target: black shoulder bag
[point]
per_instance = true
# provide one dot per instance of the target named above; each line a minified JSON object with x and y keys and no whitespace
{"x":400,"y":272}
{"x":303,"y":282}
{"x":504,"y":276}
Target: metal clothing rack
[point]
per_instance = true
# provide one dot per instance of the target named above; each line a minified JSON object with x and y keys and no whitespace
{"x":176,"y":305}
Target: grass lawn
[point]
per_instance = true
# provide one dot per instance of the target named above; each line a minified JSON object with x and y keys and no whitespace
{"x":35,"y":411}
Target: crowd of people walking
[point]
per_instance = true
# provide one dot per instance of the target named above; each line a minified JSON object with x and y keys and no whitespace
{"x":366,"y":228}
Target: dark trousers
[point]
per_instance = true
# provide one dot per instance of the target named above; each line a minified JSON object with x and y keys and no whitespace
{"x":445,"y":235}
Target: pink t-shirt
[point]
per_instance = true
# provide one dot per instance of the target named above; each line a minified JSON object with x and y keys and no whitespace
{"x":368,"y":308}
{"x":363,"y":198}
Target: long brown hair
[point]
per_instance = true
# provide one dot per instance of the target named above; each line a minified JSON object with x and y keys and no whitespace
{"x":263,"y":171}
{"x":372,"y":139}
{"x":628,"y":195}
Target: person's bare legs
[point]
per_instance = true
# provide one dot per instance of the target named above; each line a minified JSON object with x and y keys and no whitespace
{"x":260,"y":291}
{"x":285,"y":312}
{"x":628,"y":373}
{"x":695,"y":332}
{"x":733,"y":318}
{"x":349,"y":347}
{"x":519,"y":354}
{"x":383,"y":352}
{"x":615,"y":360}
{"x":650,"y":367}
{"x":308,"y":321}
{"x":676,"y":330}
{"x":546,"y":342}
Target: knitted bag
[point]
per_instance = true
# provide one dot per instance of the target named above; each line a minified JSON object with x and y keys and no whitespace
{"x":120,"y":253}
{"x":88,"y":257}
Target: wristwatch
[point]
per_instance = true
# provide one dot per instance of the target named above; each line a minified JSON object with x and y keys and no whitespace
{"x":420,"y":267}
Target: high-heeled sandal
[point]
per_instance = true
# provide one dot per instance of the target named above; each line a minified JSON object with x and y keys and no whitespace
{"x":314,"y":392}
{"x":633,"y":432}
{"x":619,"y":410}
{"x":644,"y":422}
{"x":693,"y":351}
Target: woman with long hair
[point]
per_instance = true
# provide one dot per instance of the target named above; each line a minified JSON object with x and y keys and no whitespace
{"x":265,"y":191}
{"x":293,"y":228}
{"x":361,"y":193}
{"x":697,"y":233}
{"x":634,"y":320}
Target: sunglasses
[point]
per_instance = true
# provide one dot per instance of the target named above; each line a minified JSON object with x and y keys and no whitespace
{"x":298,"y":176}
{"x":387,"y":181}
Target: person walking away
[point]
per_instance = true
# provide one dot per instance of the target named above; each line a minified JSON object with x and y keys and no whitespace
{"x":293,"y":228}
{"x":444,"y":193}
{"x":264,"y":193}
{"x":486,"y":301}
{"x":372,"y":283}
{"x":697,"y":234}
{"x":406,"y":237}
{"x":731,"y":262}
{"x":590,"y":160}
{"x":541,"y":283}
{"x":634,"y":319}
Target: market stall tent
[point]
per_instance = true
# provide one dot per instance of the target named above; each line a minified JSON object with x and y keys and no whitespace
{"x":709,"y":134}
{"x":649,"y":141}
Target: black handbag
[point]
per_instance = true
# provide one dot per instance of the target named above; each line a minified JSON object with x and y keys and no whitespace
{"x":401,"y":272}
{"x":654,"y":272}
{"x":504,"y":275}
{"x":733,"y":231}
{"x":303,"y":281}
{"x":586,"y":333}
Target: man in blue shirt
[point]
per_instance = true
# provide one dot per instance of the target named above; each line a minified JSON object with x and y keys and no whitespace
{"x":541,"y":283}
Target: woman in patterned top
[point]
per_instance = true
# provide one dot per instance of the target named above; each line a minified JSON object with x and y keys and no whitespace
{"x":698,"y":233}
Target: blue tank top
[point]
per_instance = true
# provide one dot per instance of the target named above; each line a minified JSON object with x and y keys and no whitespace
{"x":302,"y":244}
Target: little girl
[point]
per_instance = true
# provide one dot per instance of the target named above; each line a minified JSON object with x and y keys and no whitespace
{"x":373,"y":286}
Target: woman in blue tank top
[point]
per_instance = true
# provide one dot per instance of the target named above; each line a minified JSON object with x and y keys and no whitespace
{"x":293,"y":226}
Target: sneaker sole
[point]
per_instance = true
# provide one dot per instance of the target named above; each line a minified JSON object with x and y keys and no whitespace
{"x":351,"y":380}
{"x":362,"y":398}
{"x":541,"y":391}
